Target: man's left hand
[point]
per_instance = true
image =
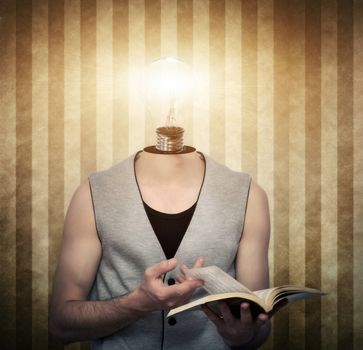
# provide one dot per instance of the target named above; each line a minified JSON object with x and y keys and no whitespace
{"x":236,"y":331}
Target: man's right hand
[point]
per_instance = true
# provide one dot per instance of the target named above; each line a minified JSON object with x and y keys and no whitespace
{"x":154,"y":295}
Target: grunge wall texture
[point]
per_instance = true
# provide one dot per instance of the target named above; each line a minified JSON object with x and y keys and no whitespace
{"x":282,"y":101}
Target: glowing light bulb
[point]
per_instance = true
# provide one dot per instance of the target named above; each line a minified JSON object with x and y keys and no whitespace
{"x":168,"y":89}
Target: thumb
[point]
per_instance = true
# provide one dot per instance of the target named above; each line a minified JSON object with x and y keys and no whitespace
{"x":157,"y":270}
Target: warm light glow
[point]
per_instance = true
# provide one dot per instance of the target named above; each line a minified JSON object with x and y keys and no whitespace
{"x":168,"y":87}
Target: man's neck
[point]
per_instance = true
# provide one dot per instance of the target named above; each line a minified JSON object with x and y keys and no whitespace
{"x":168,"y":169}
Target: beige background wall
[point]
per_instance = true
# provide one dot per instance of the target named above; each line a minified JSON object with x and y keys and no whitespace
{"x":282,"y":100}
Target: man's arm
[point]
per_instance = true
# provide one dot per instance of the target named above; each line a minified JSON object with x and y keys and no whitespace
{"x":252,"y":271}
{"x":252,"y":260}
{"x":72,"y":316}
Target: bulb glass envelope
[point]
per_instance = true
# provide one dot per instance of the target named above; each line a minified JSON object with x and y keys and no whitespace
{"x":168,"y":91}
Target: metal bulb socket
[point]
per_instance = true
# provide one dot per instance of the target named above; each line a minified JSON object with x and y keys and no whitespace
{"x":170,"y":139}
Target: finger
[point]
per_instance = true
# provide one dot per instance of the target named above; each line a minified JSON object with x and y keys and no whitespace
{"x":187,"y":287}
{"x":199,"y":262}
{"x":183,"y":268}
{"x":180,"y":278}
{"x":245,"y":310}
{"x":157,"y":270}
{"x":217,"y":320}
{"x":261,"y":320}
{"x":226,"y":312}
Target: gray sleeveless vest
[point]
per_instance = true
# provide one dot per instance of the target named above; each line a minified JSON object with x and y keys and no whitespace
{"x":129,"y":246}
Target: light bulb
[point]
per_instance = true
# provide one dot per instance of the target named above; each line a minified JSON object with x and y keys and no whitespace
{"x":168,"y":89}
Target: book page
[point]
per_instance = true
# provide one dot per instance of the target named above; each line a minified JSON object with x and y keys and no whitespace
{"x":298,"y":296}
{"x":263,"y":293}
{"x":216,"y":280}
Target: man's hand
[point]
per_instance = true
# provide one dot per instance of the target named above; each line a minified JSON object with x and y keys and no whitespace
{"x":199,"y":262}
{"x":154,"y":295}
{"x":236,"y":331}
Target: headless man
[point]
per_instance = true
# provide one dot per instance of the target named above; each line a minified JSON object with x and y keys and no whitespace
{"x":169,"y":184}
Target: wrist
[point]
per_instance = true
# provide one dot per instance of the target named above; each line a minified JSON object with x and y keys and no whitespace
{"x":138,"y":301}
{"x":259,"y":336}
{"x":241,"y":344}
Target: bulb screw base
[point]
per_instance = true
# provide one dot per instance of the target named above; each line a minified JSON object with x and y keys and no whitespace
{"x":170,"y":139}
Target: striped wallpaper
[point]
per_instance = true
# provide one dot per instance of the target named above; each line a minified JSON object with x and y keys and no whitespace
{"x":282,"y":100}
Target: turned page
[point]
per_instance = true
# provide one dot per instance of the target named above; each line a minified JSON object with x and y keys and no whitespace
{"x":263,"y":293}
{"x":216,"y":280}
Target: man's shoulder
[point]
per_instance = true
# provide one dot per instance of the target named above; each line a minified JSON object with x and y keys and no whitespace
{"x":257,"y":193}
{"x":226,"y":174}
{"x":114,"y":172}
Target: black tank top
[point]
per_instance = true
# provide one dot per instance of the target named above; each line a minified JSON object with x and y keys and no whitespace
{"x":169,"y":228}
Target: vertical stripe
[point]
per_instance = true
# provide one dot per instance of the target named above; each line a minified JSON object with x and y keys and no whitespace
{"x":136,"y":65}
{"x":185,"y":30}
{"x":345,"y":174}
{"x":152,"y":30}
{"x":104,"y":84}
{"x":358,"y":171}
{"x":217,"y":79}
{"x":72,"y":98}
{"x":233,"y":104}
{"x":168,"y":28}
{"x":120,"y":46}
{"x":40,"y":175}
{"x":249,"y":87}
{"x":265,"y":117}
{"x":55,"y":137}
{"x":313,"y":169}
{"x":201,"y":107}
{"x":88,"y":87}
{"x":281,"y":164}
{"x":185,"y":53}
{"x":71,"y":105}
{"x":297,"y":170}
{"x":296,"y":77}
{"x":152,"y":53}
{"x":329,"y":174}
{"x":8,"y":173}
{"x":23,"y":174}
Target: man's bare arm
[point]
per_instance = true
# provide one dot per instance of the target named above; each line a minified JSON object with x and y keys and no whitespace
{"x":72,"y":316}
{"x":252,"y":260}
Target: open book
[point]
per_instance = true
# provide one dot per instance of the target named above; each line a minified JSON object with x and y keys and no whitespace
{"x":221,"y":286}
